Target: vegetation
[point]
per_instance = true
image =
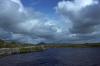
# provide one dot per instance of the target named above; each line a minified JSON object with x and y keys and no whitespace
{"x":30,"y":49}
{"x":95,"y":45}
{"x":41,"y":45}
{"x":8,"y":47}
{"x":12,"y":44}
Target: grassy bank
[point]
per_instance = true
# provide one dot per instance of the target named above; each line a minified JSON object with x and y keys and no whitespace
{"x":8,"y":48}
{"x":19,"y":50}
{"x":31,"y":49}
{"x":96,"y":45}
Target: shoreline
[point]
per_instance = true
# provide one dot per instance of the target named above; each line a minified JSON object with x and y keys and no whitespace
{"x":22,"y":50}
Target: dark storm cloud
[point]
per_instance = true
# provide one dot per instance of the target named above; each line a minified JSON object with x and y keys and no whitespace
{"x":80,"y":22}
{"x":88,"y":19}
{"x":19,"y":20}
{"x":84,"y":16}
{"x":10,"y":15}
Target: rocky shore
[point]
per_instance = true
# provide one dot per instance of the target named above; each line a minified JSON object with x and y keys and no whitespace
{"x":10,"y":51}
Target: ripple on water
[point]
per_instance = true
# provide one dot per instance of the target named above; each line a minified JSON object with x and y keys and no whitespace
{"x":43,"y":62}
{"x":56,"y":57}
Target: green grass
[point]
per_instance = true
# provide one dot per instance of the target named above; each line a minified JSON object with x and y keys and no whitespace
{"x":73,"y":46}
{"x":30,"y":49}
{"x":21,"y":47}
{"x":26,"y":48}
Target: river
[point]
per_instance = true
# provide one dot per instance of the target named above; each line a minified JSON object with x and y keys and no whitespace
{"x":55,"y":57}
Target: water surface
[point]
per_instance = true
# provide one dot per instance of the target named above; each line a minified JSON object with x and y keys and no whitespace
{"x":55,"y":57}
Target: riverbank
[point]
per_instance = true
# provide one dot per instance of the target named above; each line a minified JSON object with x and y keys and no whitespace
{"x":20,"y":50}
{"x":39,"y":48}
{"x":9,"y":48}
{"x":55,"y":57}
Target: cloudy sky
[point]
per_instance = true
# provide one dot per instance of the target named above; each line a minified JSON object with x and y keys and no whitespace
{"x":51,"y":21}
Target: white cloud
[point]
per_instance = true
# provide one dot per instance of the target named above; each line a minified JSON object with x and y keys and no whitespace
{"x":84,"y":17}
{"x":25,"y":24}
{"x":75,"y":6}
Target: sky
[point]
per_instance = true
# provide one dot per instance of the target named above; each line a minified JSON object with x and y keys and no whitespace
{"x":50,"y":21}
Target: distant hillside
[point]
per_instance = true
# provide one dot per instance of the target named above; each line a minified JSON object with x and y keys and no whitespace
{"x":12,"y":44}
{"x":11,"y":47}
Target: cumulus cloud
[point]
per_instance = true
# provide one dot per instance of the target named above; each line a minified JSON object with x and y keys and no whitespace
{"x":25,"y":23}
{"x":84,"y":17}
{"x":79,"y":22}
